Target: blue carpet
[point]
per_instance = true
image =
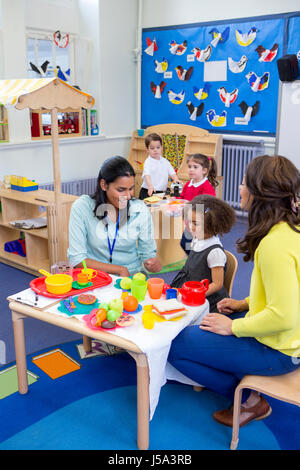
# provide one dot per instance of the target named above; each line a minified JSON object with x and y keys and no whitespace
{"x":95,"y":408}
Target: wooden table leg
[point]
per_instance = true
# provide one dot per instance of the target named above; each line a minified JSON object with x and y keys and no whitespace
{"x":87,"y":344}
{"x":142,"y":370}
{"x":18,"y":326}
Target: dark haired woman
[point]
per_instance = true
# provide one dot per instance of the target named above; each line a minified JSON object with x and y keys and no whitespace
{"x":266,"y":339}
{"x":111,"y":231}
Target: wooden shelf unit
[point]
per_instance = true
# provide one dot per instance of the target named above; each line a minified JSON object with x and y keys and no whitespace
{"x":197,"y":141}
{"x":39,"y":242}
{"x":4,"y":135}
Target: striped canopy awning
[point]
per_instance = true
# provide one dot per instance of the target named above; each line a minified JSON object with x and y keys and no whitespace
{"x":12,"y":90}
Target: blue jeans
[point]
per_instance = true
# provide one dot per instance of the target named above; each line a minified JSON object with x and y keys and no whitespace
{"x":220,"y":362}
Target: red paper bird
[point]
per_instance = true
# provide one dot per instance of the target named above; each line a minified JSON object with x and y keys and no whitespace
{"x":227,"y":97}
{"x":267,"y":55}
{"x":157,"y":89}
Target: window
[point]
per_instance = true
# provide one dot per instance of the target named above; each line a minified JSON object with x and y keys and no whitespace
{"x":48,"y":58}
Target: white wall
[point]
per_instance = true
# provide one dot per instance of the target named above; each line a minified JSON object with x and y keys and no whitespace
{"x":174,"y":12}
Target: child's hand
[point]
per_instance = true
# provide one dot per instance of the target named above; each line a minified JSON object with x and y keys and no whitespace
{"x":151,"y":190}
{"x":153,"y":265}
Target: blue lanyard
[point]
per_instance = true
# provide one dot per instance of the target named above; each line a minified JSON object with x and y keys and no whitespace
{"x":111,"y":247}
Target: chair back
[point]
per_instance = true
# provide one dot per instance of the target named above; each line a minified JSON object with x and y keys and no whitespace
{"x":232,"y":264}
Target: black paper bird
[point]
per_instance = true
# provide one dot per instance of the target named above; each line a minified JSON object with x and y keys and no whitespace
{"x":194,"y":111}
{"x":245,"y":107}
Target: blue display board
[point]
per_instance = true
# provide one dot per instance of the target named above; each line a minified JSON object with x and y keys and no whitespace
{"x":218,"y":76}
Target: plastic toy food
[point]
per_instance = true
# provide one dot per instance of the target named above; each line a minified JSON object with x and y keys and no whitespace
{"x":130,"y":303}
{"x":125,"y":283}
{"x":139,"y":277}
{"x":116,"y":304}
{"x":86,"y":299}
{"x":108,"y":324}
{"x":112,"y":315}
{"x":100,"y":316}
{"x":125,"y":320}
{"x":104,"y":305}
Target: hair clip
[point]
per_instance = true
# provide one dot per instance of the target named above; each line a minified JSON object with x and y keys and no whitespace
{"x":206,"y":210}
{"x":295,"y":204}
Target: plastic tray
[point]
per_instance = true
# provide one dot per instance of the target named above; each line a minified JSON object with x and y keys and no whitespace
{"x":102,"y":279}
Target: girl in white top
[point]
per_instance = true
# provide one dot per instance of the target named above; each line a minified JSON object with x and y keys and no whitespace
{"x":157,"y":169}
{"x":209,"y":217}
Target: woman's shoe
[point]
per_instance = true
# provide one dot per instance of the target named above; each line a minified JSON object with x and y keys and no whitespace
{"x":259,"y":411}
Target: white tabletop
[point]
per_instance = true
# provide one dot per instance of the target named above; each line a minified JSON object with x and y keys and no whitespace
{"x":155,"y":342}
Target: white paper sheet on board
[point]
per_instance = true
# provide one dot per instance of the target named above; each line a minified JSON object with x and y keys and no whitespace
{"x":215,"y":71}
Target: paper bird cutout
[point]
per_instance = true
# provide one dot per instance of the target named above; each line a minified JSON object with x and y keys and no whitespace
{"x":184,"y":74}
{"x":61,"y":40}
{"x":258,"y":83}
{"x":178,"y":49}
{"x":202,"y":93}
{"x":176,"y":98}
{"x":267,"y":55}
{"x":219,"y":37}
{"x":248,"y":112}
{"x":157,"y":89}
{"x":227,"y":97}
{"x":65,"y":76}
{"x":202,"y":55}
{"x":245,"y":39}
{"x":194,"y":111}
{"x":151,"y":46}
{"x":237,"y":67}
{"x":161,"y":67}
{"x":216,"y":120}
{"x":42,"y":70}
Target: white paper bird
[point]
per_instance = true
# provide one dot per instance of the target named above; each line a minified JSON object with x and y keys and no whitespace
{"x":228,"y":97}
{"x":161,"y":67}
{"x":239,"y":66}
{"x":258,"y":83}
{"x":178,"y":49}
{"x":202,"y":55}
{"x":215,"y":119}
{"x":176,"y":98}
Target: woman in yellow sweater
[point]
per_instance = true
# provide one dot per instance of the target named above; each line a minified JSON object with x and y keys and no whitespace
{"x":260,"y":334}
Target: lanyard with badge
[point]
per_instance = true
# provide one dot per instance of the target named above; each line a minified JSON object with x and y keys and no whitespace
{"x":111,"y":247}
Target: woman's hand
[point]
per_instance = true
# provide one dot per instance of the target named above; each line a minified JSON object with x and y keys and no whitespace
{"x":122,"y":271}
{"x":217,"y":323}
{"x":228,"y":305}
{"x":153,"y":265}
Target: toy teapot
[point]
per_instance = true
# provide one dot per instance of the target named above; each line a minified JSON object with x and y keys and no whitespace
{"x":193,"y":292}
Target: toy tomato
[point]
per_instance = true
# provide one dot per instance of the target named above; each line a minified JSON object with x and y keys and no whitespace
{"x":130,"y":303}
{"x":100,"y":316}
{"x":166,"y":286}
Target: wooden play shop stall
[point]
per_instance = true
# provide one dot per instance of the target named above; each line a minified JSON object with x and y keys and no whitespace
{"x":44,"y":246}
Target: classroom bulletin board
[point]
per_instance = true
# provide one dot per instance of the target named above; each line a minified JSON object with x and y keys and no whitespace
{"x":219,"y":76}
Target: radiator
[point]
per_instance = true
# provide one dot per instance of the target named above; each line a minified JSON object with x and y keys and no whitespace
{"x":236,"y":157}
{"x":75,"y":187}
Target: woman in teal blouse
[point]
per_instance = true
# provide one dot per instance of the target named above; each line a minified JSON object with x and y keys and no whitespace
{"x":112,"y":231}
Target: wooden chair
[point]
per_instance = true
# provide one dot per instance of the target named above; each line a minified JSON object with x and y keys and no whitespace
{"x":285,"y":387}
{"x":232,"y":265}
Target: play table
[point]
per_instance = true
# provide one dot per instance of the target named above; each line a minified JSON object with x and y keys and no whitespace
{"x":149,"y":348}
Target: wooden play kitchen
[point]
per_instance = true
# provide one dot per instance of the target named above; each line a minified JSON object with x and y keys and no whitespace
{"x":47,"y":247}
{"x":168,"y":230}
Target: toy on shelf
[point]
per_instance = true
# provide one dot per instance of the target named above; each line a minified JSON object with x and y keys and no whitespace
{"x":21,"y":183}
{"x":16,"y":247}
